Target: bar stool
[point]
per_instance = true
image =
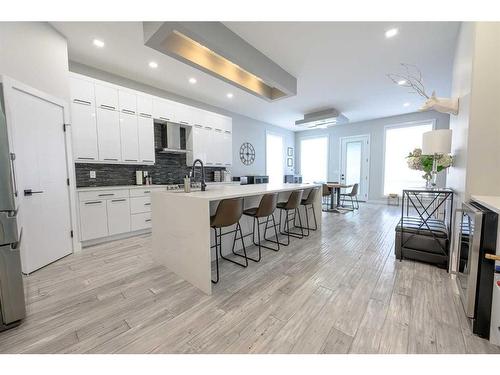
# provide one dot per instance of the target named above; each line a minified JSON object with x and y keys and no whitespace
{"x":309,"y":203}
{"x":266,"y":209}
{"x":292,"y":204}
{"x":228,"y":213}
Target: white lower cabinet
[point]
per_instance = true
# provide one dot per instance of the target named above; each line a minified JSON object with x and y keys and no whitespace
{"x":118,"y":215}
{"x":141,"y":221}
{"x":110,"y":212}
{"x":93,"y":220}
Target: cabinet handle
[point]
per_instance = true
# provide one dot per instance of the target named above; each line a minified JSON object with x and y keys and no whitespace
{"x":108,"y":107}
{"x":95,"y":202}
{"x":198,"y":126}
{"x":118,"y":200}
{"x":227,"y":132}
{"x":492,"y":257}
{"x":184,"y":122}
{"x":79,"y":101}
{"x":144,"y":115}
{"x":130,"y":159}
{"x":128,"y":111}
{"x":208,"y":128}
{"x":148,"y":161}
{"x":106,"y":195}
{"x":147,"y":220}
{"x":147,"y":191}
{"x":164,"y":118}
{"x":109,"y":159}
{"x":218,"y":130}
{"x":81,"y":158}
{"x":218,"y":163}
{"x":147,"y":204}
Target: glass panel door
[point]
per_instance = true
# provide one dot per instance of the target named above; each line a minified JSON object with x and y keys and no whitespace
{"x":355,"y":161}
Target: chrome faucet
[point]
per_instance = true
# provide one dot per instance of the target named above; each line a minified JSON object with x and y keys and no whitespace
{"x":191,"y":174}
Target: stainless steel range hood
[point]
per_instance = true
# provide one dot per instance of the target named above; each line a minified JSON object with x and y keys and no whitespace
{"x":171,"y":138}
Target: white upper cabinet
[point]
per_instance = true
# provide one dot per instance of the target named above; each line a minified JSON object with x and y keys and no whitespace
{"x":111,"y":124}
{"x":164,"y":110}
{"x":146,"y":140}
{"x":106,"y":97}
{"x":84,"y":132}
{"x":127,"y":102}
{"x":144,"y":105}
{"x":108,"y":135}
{"x":185,"y":114}
{"x":82,"y":91}
{"x":128,"y":137}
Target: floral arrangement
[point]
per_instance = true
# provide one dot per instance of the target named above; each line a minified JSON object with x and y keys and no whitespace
{"x":420,"y":162}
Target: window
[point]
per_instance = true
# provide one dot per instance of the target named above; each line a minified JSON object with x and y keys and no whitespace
{"x":274,"y":158}
{"x":314,"y":159}
{"x":399,"y":142}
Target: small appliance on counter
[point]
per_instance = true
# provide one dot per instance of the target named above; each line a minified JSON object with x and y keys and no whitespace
{"x":244,"y":180}
{"x":138,"y":177}
{"x":292,"y":179}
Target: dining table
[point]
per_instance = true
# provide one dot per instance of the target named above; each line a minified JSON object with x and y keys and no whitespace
{"x":335,"y":190}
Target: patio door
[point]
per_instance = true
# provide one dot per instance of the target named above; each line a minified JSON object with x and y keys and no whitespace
{"x":355,"y":163}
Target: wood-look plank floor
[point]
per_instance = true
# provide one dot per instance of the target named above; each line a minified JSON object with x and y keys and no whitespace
{"x":338,"y":291}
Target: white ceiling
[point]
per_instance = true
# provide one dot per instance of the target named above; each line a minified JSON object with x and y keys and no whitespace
{"x":337,"y":64}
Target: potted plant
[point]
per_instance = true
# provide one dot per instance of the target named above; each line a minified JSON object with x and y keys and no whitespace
{"x":419,"y":162}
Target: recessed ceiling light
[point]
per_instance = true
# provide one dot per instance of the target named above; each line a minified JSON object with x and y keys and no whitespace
{"x":229,"y":95}
{"x":401,"y":82}
{"x":153,"y":64}
{"x":192,"y":80}
{"x":98,"y":43}
{"x":391,"y":33}
{"x":406,"y":104}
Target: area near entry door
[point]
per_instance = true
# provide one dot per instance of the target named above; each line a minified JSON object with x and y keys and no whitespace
{"x":39,"y":144}
{"x":355,"y":163}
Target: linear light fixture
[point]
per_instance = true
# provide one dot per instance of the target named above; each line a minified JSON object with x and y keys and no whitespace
{"x":260,"y":76}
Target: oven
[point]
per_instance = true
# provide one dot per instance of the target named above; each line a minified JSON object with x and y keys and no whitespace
{"x":475,"y":238}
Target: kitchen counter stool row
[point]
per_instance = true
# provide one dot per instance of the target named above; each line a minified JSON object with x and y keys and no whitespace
{"x":230,"y":211}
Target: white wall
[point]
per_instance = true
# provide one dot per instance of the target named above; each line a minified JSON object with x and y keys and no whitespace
{"x":461,"y":88}
{"x":476,"y":129}
{"x":35,"y":54}
{"x":245,"y":129}
{"x":375,"y":128}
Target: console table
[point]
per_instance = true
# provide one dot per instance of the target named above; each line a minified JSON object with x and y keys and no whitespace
{"x":424,"y":231}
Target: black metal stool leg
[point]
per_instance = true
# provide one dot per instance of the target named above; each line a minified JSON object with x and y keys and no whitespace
{"x":255,"y":219}
{"x":216,"y":259}
{"x":289,"y":232}
{"x":232,"y":249}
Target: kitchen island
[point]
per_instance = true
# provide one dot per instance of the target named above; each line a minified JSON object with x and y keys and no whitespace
{"x":182,"y":236}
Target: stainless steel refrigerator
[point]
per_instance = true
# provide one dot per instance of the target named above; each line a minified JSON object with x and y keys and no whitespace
{"x":12,"y":303}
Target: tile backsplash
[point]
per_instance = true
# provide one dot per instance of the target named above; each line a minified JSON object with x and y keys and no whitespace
{"x":168,"y":169}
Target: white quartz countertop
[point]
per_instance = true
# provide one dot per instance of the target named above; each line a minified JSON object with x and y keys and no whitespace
{"x":490,"y":201}
{"x":122,"y":187}
{"x":218,"y":192}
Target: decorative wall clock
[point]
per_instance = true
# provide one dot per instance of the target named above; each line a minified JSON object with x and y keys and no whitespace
{"x":247,"y":153}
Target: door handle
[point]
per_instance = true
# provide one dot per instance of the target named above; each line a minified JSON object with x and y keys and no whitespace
{"x":492,"y":257}
{"x":28,"y":192}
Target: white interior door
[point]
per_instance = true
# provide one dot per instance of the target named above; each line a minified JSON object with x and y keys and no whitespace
{"x":274,"y":158}
{"x":355,"y":163}
{"x":39,"y":145}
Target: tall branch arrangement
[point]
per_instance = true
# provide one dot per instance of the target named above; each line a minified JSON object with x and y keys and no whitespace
{"x":411,"y":78}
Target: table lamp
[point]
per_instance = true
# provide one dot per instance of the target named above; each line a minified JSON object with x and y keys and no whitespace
{"x":436,"y":143}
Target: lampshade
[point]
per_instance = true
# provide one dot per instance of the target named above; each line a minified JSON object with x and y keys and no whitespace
{"x":436,"y":142}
